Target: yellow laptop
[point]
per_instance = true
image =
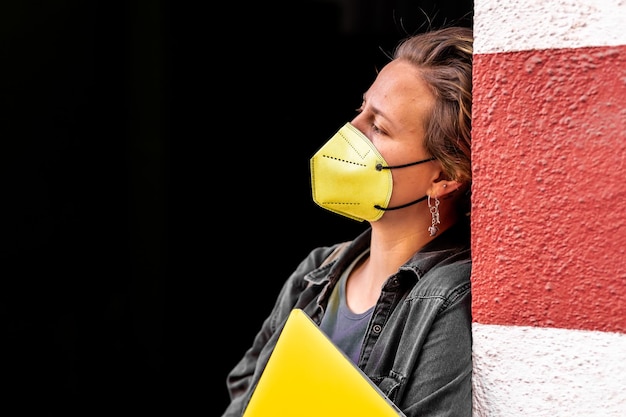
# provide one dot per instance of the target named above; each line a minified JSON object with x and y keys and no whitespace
{"x":308,"y":376}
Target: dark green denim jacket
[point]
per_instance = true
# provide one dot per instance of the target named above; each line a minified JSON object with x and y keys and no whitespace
{"x":418,"y":344}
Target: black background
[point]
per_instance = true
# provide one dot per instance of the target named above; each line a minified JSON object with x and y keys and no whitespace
{"x":155,"y":183}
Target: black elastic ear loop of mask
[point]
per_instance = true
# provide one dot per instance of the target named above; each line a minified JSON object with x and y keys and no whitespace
{"x":380,"y":167}
{"x":402,"y":206}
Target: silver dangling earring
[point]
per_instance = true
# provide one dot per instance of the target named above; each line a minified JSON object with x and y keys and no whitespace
{"x":434,"y":212}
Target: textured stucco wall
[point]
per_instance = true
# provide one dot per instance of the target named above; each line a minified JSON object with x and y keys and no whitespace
{"x":549,"y":218}
{"x":548,"y":223}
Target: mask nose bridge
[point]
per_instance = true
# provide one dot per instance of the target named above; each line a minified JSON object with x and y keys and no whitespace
{"x":362,"y":145}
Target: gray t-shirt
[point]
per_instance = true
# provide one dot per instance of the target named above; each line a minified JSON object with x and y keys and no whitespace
{"x":345,"y":328}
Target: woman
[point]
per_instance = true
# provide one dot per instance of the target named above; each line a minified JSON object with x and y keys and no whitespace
{"x":397,"y":298}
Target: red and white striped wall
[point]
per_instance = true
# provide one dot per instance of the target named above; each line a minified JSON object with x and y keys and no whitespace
{"x":549,"y":216}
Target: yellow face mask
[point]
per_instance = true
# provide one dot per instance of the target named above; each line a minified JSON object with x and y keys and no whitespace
{"x":350,"y":177}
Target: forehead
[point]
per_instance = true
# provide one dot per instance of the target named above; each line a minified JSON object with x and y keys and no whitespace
{"x":399,"y":89}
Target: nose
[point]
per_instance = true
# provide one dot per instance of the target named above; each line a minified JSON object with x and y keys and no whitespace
{"x":360,"y":122}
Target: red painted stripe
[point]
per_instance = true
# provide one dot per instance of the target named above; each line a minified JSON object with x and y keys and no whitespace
{"x":549,"y":160}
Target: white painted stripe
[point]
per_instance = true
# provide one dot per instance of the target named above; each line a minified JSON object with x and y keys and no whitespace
{"x":506,"y":26}
{"x":533,"y":371}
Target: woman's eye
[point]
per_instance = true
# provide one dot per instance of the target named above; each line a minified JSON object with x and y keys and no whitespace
{"x":376,"y":129}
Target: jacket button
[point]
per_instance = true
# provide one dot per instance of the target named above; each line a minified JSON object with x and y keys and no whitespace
{"x":377,"y":328}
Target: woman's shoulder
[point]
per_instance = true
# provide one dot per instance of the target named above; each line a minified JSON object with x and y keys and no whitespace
{"x":443,"y":274}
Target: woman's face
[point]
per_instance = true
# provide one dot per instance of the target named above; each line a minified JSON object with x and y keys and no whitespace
{"x":393,"y":116}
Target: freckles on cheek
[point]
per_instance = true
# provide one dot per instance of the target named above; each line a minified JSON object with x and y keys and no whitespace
{"x":405,"y":180}
{"x":401,"y":180}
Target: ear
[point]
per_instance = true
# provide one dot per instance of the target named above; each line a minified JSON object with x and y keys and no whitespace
{"x":442,"y":188}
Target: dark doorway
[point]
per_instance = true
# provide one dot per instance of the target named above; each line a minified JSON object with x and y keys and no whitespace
{"x":156,"y":184}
